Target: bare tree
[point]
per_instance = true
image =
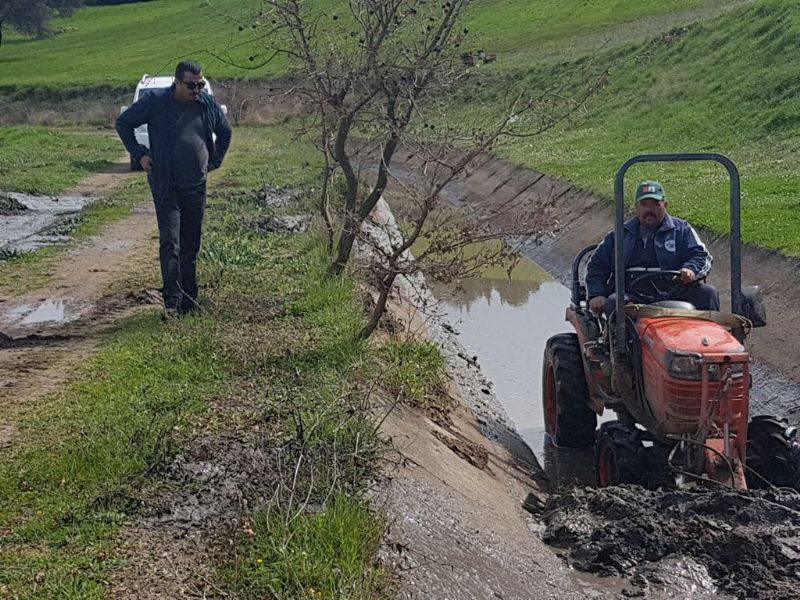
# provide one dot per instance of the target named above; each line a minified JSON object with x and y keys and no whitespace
{"x":453,"y":245}
{"x":386,"y":71}
{"x":365,"y":71}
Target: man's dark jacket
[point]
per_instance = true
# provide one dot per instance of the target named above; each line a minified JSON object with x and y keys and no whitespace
{"x":152,"y":109}
{"x":677,"y":246}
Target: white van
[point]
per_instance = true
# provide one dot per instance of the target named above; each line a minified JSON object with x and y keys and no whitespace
{"x":148,"y":84}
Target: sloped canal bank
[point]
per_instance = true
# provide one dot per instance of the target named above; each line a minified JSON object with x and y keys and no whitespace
{"x":678,"y":544}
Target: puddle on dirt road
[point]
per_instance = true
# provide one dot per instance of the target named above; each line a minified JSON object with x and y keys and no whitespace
{"x":45,"y":221}
{"x":49,"y":312}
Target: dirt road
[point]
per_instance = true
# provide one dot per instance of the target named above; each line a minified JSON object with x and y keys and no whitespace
{"x":46,"y":332}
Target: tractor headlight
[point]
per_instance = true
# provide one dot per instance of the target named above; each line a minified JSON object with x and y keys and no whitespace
{"x":686,"y":366}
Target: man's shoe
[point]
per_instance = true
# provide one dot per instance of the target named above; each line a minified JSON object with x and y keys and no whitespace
{"x":169,"y":314}
{"x":189,"y":306}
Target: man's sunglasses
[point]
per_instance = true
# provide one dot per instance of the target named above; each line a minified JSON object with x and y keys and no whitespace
{"x":192,"y":85}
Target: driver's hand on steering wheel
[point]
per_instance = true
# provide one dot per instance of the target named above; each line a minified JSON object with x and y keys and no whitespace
{"x":597,"y":304}
{"x":687,"y":275}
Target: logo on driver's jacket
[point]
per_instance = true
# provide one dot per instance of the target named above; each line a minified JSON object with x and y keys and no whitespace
{"x":669,"y":245}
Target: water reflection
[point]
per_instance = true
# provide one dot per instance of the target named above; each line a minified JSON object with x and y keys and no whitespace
{"x":506,"y":324}
{"x":568,"y":467}
{"x":509,"y":292}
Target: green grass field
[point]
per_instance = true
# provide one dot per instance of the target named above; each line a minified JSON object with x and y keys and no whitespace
{"x":42,"y":160}
{"x":726,"y":86}
{"x":727,"y":81}
{"x":113,"y":46}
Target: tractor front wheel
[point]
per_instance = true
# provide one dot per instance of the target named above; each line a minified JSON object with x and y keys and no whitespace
{"x":773,"y":451}
{"x":618,"y":454}
{"x":568,"y":418}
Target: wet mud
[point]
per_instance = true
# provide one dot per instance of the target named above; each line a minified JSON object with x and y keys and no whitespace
{"x":10,"y":206}
{"x":746,"y":544}
{"x":37,"y":221}
{"x":29,"y":341}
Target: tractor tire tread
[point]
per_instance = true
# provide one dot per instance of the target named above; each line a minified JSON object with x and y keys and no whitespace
{"x":629,"y":449}
{"x":576,"y":419}
{"x":772,"y":452}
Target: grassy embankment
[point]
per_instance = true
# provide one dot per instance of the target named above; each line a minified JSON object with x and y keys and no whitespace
{"x":728,"y":85}
{"x":156,"y":34}
{"x":278,"y":337}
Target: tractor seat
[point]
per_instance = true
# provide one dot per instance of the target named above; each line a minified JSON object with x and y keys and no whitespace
{"x":674,"y":304}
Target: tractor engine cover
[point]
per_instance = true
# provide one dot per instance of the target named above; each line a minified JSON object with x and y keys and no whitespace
{"x":673,"y":352}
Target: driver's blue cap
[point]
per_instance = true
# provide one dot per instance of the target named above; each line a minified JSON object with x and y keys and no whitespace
{"x":650,"y":189}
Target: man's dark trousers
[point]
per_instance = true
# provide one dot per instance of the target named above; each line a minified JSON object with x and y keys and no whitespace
{"x":180,"y":223}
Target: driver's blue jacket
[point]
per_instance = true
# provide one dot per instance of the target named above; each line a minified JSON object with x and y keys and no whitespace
{"x":677,"y":246}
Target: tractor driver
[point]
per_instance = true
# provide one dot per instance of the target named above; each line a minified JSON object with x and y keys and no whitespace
{"x":654,"y":240}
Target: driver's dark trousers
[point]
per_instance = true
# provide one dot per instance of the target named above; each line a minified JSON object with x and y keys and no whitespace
{"x":704,"y":297}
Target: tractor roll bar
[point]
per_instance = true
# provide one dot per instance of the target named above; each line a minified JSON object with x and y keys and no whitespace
{"x":619,"y":252}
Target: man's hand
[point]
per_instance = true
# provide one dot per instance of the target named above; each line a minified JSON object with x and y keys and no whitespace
{"x":687,"y":275}
{"x":597,"y":304}
{"x":147,"y":162}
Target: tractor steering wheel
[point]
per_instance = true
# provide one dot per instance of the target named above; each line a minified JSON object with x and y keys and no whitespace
{"x":653,"y":293}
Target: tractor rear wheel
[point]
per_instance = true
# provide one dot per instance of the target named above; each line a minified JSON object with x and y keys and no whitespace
{"x":618,"y":454}
{"x":568,"y":418}
{"x":773,"y":451}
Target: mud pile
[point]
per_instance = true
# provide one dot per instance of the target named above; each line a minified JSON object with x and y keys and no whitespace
{"x":10,"y":206}
{"x":749,"y":543}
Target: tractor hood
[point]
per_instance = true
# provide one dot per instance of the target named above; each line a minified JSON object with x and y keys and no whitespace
{"x":686,"y":335}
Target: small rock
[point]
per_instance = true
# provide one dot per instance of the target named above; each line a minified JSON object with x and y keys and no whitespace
{"x":288,"y":223}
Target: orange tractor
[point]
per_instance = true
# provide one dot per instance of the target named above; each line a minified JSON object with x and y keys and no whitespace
{"x":677,"y":378}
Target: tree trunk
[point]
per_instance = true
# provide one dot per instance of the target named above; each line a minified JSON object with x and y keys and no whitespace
{"x":323,"y":205}
{"x":382,"y":179}
{"x":353,"y":219}
{"x":351,"y":224}
{"x":346,"y":240}
{"x":380,"y":307}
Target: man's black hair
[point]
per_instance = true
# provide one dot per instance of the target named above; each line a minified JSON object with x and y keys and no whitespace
{"x":192,"y":66}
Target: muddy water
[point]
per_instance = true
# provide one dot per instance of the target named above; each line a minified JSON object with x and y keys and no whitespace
{"x":48,"y":312}
{"x":505,"y":322}
{"x":42,"y":223}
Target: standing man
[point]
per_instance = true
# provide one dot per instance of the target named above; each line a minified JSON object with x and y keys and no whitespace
{"x":182,"y":122}
{"x":654,"y":240}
